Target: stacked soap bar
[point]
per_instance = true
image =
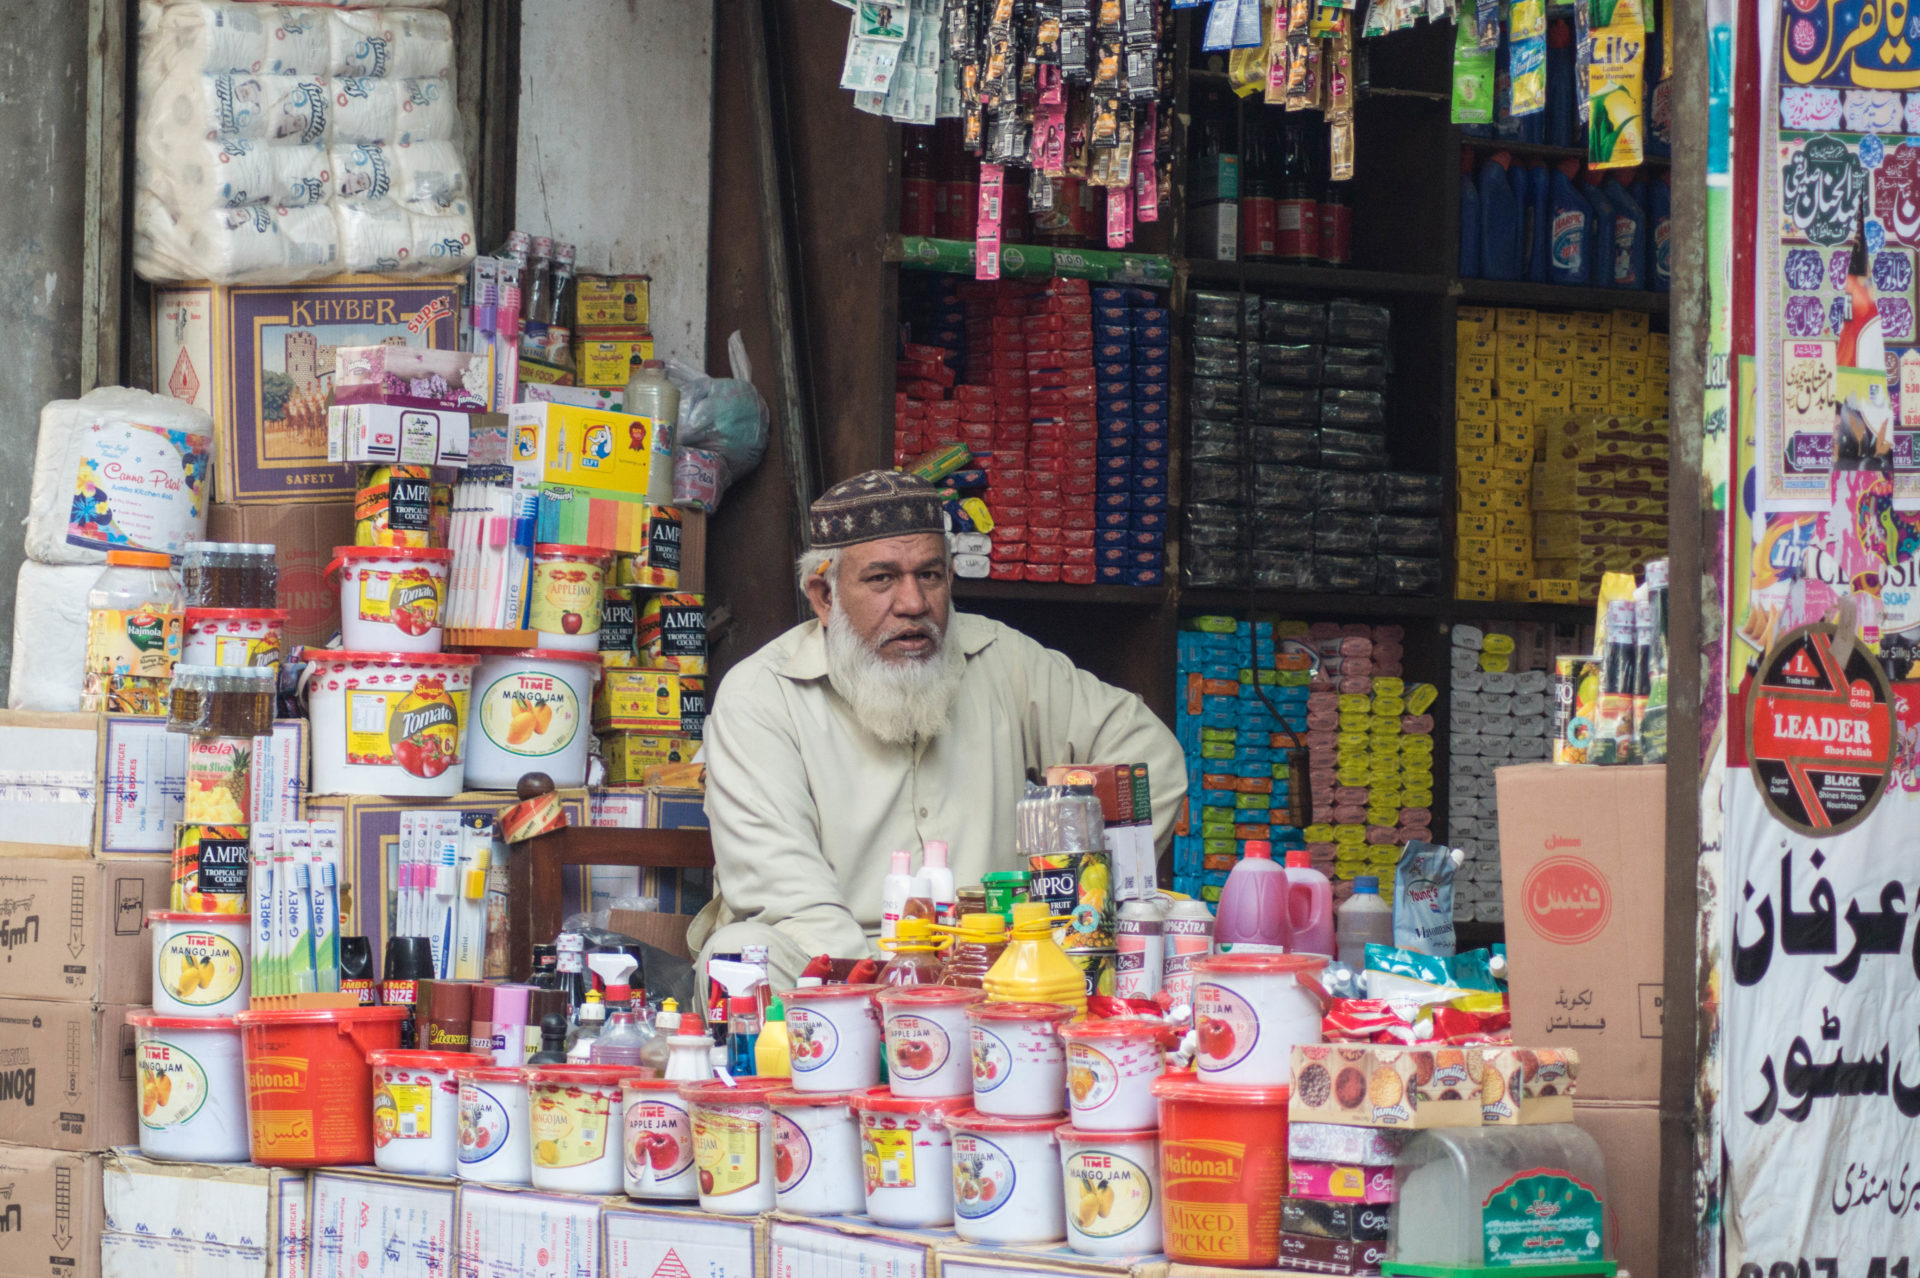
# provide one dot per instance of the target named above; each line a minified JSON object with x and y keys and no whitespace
{"x":1242,"y":706}
{"x":1132,"y":353}
{"x":1370,"y":749}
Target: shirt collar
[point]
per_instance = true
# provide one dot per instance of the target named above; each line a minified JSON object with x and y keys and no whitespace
{"x":809,"y":657}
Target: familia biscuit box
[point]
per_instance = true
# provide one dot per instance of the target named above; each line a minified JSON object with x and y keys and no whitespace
{"x":259,"y":359}
{"x":1381,"y":1085}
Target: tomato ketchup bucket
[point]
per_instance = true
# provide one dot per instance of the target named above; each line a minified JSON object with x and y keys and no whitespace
{"x":391,"y":723}
{"x":1249,"y":1012}
{"x":391,"y":596}
{"x":232,"y":637}
{"x":1223,"y":1171}
{"x":928,"y":1051}
{"x":309,"y":1085}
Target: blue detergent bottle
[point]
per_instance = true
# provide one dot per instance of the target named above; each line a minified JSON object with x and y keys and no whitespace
{"x":1629,"y":232}
{"x":1660,"y":212}
{"x":1500,"y":228}
{"x":1562,"y":120}
{"x":1569,"y":230}
{"x":1540,"y":220}
{"x":1469,"y":220}
{"x":1599,"y":231}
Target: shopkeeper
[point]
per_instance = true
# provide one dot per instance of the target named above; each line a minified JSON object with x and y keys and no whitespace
{"x":887,"y":721}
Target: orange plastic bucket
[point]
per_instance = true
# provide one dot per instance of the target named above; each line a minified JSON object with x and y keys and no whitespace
{"x":309,"y":1087}
{"x":1223,"y":1170}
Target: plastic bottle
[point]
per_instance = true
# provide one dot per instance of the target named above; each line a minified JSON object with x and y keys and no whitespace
{"x":894,"y":891}
{"x":1570,"y":229}
{"x":553,"y":1041}
{"x":134,"y":620}
{"x":623,"y":1042}
{"x":1499,"y":220}
{"x":915,"y":951}
{"x":1539,"y":219}
{"x":1252,"y":915}
{"x":689,"y":1057}
{"x":653,"y":1057}
{"x":649,"y":394}
{"x":1520,"y":177}
{"x":593,"y":1017}
{"x":1309,"y":905}
{"x":773,"y":1050}
{"x":1562,"y":119}
{"x":977,"y":945}
{"x":1660,"y":246}
{"x":1364,"y":920}
{"x":1469,"y":219}
{"x":1600,"y":234}
{"x":1033,"y":969}
{"x":1629,"y":232}
{"x":917,"y":183}
{"x":743,"y":1032}
{"x":935,"y":883}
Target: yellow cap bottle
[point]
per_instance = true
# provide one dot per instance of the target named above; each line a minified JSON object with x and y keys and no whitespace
{"x":1034,"y":969}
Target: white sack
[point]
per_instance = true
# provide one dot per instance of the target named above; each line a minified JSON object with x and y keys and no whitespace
{"x":49,"y":636}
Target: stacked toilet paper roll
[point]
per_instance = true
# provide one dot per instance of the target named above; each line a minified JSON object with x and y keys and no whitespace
{"x":260,"y":124}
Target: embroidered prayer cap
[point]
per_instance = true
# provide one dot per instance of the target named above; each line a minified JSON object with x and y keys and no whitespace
{"x":872,"y":507}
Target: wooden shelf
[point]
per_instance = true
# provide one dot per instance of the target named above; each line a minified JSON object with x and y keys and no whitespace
{"x":1337,"y":279}
{"x":514,"y":639}
{"x":1060,"y":592}
{"x":1541,"y":150}
{"x":1387,"y":607}
{"x":1554,"y":296}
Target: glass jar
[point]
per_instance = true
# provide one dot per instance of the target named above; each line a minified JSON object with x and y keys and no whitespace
{"x":220,"y":574}
{"x":134,"y":619}
{"x":223,"y":701}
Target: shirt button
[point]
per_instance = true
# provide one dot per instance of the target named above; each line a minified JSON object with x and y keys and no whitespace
{"x":923,"y":811}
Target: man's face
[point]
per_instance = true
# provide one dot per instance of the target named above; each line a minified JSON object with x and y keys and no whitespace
{"x":894,"y":593}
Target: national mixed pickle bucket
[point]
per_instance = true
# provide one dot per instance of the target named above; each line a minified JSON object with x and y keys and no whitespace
{"x":1223,"y":1158}
{"x":309,"y":1086}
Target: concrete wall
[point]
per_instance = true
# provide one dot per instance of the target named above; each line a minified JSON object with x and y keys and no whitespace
{"x":615,"y":128}
{"x":43,"y":85}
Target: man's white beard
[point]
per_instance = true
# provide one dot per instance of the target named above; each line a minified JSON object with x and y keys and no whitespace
{"x":897,"y":701}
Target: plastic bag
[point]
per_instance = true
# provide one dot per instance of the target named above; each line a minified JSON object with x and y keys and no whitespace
{"x":722,"y":428}
{"x":1423,"y":898}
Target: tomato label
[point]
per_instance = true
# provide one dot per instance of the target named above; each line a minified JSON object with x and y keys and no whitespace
{"x":409,"y":599}
{"x":420,"y":730}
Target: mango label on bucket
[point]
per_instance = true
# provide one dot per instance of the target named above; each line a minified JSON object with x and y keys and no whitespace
{"x":1225,"y":1024}
{"x":173,"y":1085}
{"x":200,"y":969}
{"x":530,"y":714}
{"x":659,"y":1138}
{"x":418,"y":729}
{"x":1106,"y":1194}
{"x":916,"y":1046}
{"x":983,"y":1176}
{"x":813,"y":1039}
{"x":570,"y":1128}
{"x":792,"y":1154}
{"x":888,"y":1155}
{"x":566,"y":597}
{"x":408,"y":599}
{"x":726,"y":1149}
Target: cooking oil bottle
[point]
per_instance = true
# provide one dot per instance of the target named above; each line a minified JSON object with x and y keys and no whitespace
{"x":977,"y":945}
{"x":1034,"y":969}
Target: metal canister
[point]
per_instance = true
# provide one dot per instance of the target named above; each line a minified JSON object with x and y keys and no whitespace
{"x":1078,"y":887}
{"x":1576,"y":696}
{"x":1098,"y":966}
{"x":1003,"y":889}
{"x":1188,"y":934}
{"x":1140,"y":942}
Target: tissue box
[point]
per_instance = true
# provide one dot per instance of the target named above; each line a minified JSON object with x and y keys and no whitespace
{"x":384,"y":434}
{"x":1381,"y":1085}
{"x":652,"y":702}
{"x":413,"y":377}
{"x":612,"y":452}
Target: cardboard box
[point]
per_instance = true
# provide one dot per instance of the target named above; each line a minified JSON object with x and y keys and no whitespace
{"x":848,"y":1247}
{"x":536,"y":1235}
{"x":605,"y":357}
{"x":1628,"y":1134}
{"x":653,"y":1242}
{"x":203,"y":1218}
{"x":369,"y":852}
{"x":66,"y":1075}
{"x":52,"y":792}
{"x":74,"y":931}
{"x":627,"y":525}
{"x":413,"y":377}
{"x":143,"y":778}
{"x":260,"y":360}
{"x":628,"y":755}
{"x":377,"y":434}
{"x":611,"y":301}
{"x":969,"y":1260}
{"x":366,"y":1225}
{"x":51,"y":1212}
{"x":657,"y":702}
{"x":1582,"y":852}
{"x":303,"y":538}
{"x":588,"y":448}
{"x":1407,"y":1088}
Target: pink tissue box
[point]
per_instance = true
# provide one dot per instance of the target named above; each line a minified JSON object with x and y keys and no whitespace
{"x":413,"y":377}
